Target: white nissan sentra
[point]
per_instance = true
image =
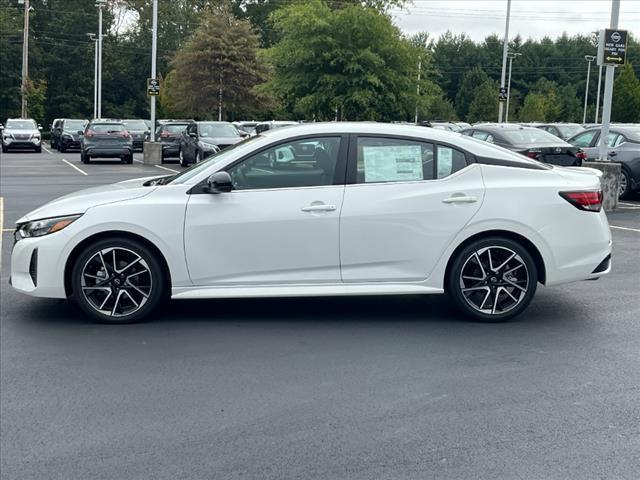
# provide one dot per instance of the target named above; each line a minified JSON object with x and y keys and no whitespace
{"x":323,"y":209}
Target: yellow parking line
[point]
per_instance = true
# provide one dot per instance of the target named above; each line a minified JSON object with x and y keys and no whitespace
{"x":73,"y":166}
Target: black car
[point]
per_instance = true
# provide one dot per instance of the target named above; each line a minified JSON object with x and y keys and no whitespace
{"x":64,"y":135}
{"x":169,"y":133}
{"x":106,"y":139}
{"x":529,"y":141}
{"x":202,"y":139}
{"x":139,"y":132}
{"x":561,"y":130}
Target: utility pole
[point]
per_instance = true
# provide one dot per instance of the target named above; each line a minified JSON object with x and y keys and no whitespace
{"x":418,"y":87}
{"x":511,"y":56}
{"x":220,"y":99}
{"x":505,"y":50}
{"x":100,"y":4}
{"x":608,"y":90}
{"x":589,"y":59}
{"x":598,"y":96}
{"x":25,"y":59}
{"x":93,"y":38}
{"x":154,"y":53}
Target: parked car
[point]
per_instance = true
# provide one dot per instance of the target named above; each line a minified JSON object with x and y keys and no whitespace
{"x":363,"y":208}
{"x":623,"y":147}
{"x":52,"y":131}
{"x":247,"y":127}
{"x":21,"y":134}
{"x":106,"y":139}
{"x":529,"y":141}
{"x":169,"y":133}
{"x":65,"y":134}
{"x":202,"y":139}
{"x":442,"y":125}
{"x":139,"y":132}
{"x":264,"y":126}
{"x":561,"y":130}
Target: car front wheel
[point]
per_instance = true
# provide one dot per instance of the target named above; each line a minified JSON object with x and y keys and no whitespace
{"x":624,"y":187}
{"x":117,"y":280}
{"x":492,"y":279}
{"x":183,"y":160}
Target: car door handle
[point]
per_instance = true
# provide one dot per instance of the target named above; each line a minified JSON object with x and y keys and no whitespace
{"x":613,"y":154}
{"x":319,"y":208}
{"x":460,"y":199}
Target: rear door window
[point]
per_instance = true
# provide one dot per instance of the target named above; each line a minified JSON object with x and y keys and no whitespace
{"x":584,"y":139}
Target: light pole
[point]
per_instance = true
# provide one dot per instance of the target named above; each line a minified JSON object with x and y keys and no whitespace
{"x":418,"y":88}
{"x":505,"y":50}
{"x":608,"y":91}
{"x":511,"y":56}
{"x":100,"y":4}
{"x":154,"y":51}
{"x":598,"y":95}
{"x":589,"y":59}
{"x":25,"y":58}
{"x":92,"y":37}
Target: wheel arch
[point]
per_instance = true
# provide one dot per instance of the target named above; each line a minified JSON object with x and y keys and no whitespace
{"x":77,"y":250}
{"x":516,"y":237}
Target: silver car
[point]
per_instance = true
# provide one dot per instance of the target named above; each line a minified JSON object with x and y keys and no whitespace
{"x":21,"y":133}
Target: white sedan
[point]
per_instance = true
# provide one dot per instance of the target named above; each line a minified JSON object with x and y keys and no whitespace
{"x":323,"y":209}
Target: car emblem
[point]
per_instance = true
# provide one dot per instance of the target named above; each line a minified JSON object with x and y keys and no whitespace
{"x":558,"y":150}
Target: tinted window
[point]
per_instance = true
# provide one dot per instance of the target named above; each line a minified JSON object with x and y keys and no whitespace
{"x":301,"y":163}
{"x":569,"y":130}
{"x":174,"y":128}
{"x":584,"y":139}
{"x":217,"y":130}
{"x":391,"y":160}
{"x":107,"y":127}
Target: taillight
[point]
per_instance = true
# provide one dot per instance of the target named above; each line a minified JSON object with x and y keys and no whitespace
{"x":533,"y":153}
{"x":125,"y":134}
{"x":89,"y":133}
{"x":590,"y":200}
{"x":164,"y":134}
{"x":581,"y":155}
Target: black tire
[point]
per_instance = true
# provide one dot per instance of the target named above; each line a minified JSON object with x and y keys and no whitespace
{"x":84,"y":158}
{"x":183,"y":158}
{"x":508,"y":287}
{"x":129,"y":159}
{"x":53,"y":145}
{"x":4,"y":149}
{"x":198,"y":158}
{"x":61,"y":148}
{"x":626,"y":178}
{"x":117,"y":297}
{"x":38,"y":149}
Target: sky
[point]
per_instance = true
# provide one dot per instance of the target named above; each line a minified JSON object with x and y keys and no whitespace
{"x":529,"y":18}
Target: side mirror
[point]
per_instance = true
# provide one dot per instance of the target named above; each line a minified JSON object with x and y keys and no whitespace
{"x":220,"y":182}
{"x":39,"y":127}
{"x":80,"y":132}
{"x":193,"y":134}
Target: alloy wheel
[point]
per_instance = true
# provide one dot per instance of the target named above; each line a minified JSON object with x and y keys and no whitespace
{"x":116,"y":281}
{"x":622,"y":185}
{"x":494,"y":280}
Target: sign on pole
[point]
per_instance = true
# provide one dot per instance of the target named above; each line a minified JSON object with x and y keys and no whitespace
{"x":153,"y":87}
{"x":502,"y":94}
{"x":612,"y":47}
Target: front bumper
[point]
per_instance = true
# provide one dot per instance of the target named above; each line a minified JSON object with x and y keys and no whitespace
{"x":35,"y":266}
{"x":13,"y":143}
{"x":69,"y":143}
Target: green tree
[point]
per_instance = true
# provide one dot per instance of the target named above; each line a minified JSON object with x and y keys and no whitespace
{"x":353,"y":60}
{"x":534,"y":108}
{"x":10,"y":60}
{"x":484,"y":106}
{"x":220,"y":56}
{"x":466,"y":91}
{"x":626,"y":96}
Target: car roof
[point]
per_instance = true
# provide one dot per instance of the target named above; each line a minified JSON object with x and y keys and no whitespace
{"x":200,"y":122}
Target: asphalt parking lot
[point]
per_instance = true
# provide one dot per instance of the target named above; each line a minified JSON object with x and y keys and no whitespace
{"x":333,"y":388}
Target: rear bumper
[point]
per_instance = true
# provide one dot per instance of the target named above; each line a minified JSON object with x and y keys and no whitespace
{"x":111,"y":152}
{"x":170,"y":150}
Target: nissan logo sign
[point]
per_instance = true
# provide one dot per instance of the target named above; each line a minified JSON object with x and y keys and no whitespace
{"x":616,"y":37}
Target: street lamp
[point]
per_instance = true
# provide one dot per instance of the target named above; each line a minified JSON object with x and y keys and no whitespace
{"x":505,"y":49}
{"x":92,"y":37}
{"x":589,"y":59}
{"x":100,"y":4}
{"x":25,"y":56}
{"x":510,"y":56}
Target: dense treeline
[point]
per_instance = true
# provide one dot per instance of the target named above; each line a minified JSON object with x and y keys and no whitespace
{"x":320,"y":59}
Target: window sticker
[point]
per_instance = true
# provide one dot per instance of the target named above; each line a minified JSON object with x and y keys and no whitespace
{"x":392,"y":163}
{"x":445,"y":161}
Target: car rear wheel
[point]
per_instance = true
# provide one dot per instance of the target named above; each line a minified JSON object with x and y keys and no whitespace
{"x":183,"y":160}
{"x":624,"y":187}
{"x":85,"y":158}
{"x":117,"y":280}
{"x":492,"y":279}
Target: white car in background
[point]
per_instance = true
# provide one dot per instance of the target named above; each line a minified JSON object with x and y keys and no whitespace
{"x":21,"y":134}
{"x":356,"y":209}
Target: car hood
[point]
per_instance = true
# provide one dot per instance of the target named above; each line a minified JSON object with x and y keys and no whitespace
{"x":81,"y":201}
{"x":31,"y":131}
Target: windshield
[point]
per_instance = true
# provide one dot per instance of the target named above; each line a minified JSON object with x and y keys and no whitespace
{"x":75,"y":125}
{"x":488,"y":150}
{"x":217,"y":130}
{"x":175,"y":128}
{"x":569,"y":131}
{"x":218,"y":157}
{"x":107,"y":127}
{"x":135,"y":125}
{"x":21,"y":124}
{"x":528,"y":136}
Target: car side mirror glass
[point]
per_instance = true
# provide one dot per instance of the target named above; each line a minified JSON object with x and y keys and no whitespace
{"x":220,"y":182}
{"x":193,"y":134}
{"x":80,"y":132}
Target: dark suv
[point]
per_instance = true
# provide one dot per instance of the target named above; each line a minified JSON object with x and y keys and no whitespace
{"x":202,"y":139}
{"x":64,"y":134}
{"x":106,"y":139}
{"x":170,"y":134}
{"x":139,"y":132}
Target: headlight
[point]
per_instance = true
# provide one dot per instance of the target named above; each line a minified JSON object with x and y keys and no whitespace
{"x":208,"y":146}
{"x":38,"y":228}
